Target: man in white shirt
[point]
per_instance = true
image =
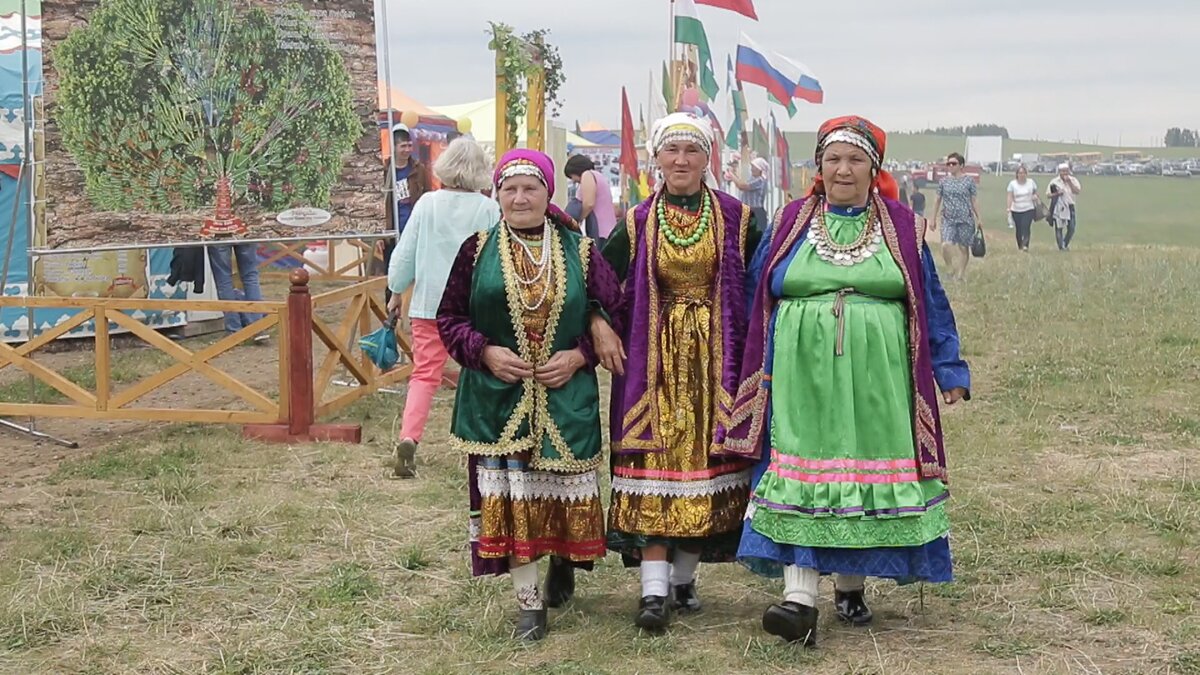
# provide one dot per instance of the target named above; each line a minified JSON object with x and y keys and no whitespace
{"x":1064,"y":189}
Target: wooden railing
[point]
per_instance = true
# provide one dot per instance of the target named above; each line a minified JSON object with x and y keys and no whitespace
{"x":304,"y":391}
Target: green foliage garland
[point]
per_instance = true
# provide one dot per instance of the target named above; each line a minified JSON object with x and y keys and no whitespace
{"x":518,"y":61}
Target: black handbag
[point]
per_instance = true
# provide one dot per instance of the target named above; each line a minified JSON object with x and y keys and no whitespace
{"x":978,"y":244}
{"x":1039,"y":211}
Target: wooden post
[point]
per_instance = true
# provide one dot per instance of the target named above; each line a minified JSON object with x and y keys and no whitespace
{"x":299,"y":425}
{"x":535,"y":118}
{"x":503,"y":143}
{"x":103,"y":359}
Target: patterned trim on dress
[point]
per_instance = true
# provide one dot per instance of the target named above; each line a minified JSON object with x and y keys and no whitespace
{"x":481,"y":238}
{"x":528,"y":485}
{"x":756,"y":502}
{"x":645,"y":410}
{"x":844,"y":477}
{"x":585,"y":257}
{"x":724,"y":401}
{"x":700,"y":474}
{"x":924,"y":425}
{"x":578,"y":551}
{"x":844,"y":463}
{"x":671,"y":488}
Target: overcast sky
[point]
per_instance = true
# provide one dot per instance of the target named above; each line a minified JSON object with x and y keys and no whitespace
{"x":1116,"y":71}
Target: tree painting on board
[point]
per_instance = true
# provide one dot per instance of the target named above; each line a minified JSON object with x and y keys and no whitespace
{"x":176,"y":106}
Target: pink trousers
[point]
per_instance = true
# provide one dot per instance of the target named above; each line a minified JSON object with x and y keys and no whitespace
{"x":429,"y":358}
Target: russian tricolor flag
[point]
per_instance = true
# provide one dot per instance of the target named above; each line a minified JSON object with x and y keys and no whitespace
{"x":782,"y":77}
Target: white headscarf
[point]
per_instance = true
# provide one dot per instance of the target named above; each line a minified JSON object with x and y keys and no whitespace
{"x":680,"y":127}
{"x":760,"y":164}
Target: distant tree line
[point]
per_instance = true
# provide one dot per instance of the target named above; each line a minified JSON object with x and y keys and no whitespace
{"x":969,"y":130}
{"x":1182,"y":138}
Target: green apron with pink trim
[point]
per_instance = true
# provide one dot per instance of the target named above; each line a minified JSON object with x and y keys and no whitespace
{"x":843,"y":472}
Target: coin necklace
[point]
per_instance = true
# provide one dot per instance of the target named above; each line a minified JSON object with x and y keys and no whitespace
{"x":866,"y":245}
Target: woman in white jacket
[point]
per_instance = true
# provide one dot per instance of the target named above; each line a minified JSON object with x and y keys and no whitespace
{"x":439,"y":224}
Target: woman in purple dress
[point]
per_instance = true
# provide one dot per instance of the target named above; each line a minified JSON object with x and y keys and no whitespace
{"x":681,"y":254}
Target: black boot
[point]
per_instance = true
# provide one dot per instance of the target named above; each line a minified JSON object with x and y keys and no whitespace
{"x":560,"y":582}
{"x":851,"y":608}
{"x":793,"y":622}
{"x":654,"y":613}
{"x":531,"y":625}
{"x":684,"y":598}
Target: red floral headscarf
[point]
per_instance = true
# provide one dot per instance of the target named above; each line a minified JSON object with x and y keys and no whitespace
{"x":862,"y":133}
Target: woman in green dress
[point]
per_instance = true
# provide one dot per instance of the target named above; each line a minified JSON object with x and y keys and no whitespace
{"x":527,"y":413}
{"x":851,"y":337}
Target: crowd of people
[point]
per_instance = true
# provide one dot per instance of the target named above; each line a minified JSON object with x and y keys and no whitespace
{"x":775,"y":386}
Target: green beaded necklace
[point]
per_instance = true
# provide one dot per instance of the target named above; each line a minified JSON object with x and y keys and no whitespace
{"x":678,"y":239}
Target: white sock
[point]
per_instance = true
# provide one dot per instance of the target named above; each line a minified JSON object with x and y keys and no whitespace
{"x":656,"y":575}
{"x":800,"y":585}
{"x":683,"y":569}
{"x":849,"y":582}
{"x":525,"y":583}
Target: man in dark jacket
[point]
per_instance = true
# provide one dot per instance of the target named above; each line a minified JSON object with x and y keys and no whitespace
{"x":405,"y":180}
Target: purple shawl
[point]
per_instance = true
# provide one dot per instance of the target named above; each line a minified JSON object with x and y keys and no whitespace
{"x":744,"y":437}
{"x":635,"y":415}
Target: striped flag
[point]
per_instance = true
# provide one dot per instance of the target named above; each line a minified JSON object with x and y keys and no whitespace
{"x":690,"y":31}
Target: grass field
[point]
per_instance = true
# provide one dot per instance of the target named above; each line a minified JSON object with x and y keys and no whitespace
{"x":927,"y":147}
{"x":1076,"y":515}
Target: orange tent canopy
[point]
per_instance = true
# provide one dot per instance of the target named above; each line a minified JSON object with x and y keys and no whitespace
{"x":401,"y":101}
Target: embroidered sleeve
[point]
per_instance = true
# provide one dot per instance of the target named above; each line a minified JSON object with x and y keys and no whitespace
{"x":618,"y":249}
{"x":949,"y":368}
{"x":604,"y":294}
{"x":463,"y":342}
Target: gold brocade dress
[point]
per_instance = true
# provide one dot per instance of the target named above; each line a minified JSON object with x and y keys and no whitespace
{"x":682,"y":496}
{"x":519,"y":514}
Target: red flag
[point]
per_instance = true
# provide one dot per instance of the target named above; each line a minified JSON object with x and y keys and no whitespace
{"x":743,"y":7}
{"x":785,"y":160}
{"x":629,"y":157}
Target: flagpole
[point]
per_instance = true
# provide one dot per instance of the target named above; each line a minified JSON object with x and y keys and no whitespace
{"x":671,"y":52}
{"x":744,"y":151}
{"x":771,"y":150}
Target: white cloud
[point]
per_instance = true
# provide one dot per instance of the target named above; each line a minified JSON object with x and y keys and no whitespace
{"x":1053,"y":69}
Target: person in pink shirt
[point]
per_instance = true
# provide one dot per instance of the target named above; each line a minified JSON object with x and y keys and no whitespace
{"x":593,"y":204}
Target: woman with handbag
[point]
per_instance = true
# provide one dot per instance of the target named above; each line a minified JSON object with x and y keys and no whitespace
{"x":439,"y":223}
{"x":1022,"y":205}
{"x":957,"y":210}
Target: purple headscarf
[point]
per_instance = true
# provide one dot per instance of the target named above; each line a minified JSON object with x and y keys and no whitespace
{"x":523,"y":162}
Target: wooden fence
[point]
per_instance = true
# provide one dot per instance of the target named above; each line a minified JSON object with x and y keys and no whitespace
{"x":290,"y":415}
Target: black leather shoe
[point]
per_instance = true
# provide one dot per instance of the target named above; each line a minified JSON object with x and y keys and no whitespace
{"x":684,"y":598}
{"x":560,"y":582}
{"x":793,"y":622}
{"x":531,"y":625}
{"x":654,"y":613}
{"x":851,"y":608}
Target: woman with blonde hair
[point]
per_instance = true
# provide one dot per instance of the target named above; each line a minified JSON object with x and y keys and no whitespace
{"x":439,"y":223}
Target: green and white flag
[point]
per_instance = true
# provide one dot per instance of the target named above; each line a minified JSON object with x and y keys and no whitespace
{"x":690,"y":31}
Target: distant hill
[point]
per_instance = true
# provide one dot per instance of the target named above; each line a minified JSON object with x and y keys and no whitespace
{"x":928,"y":146}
